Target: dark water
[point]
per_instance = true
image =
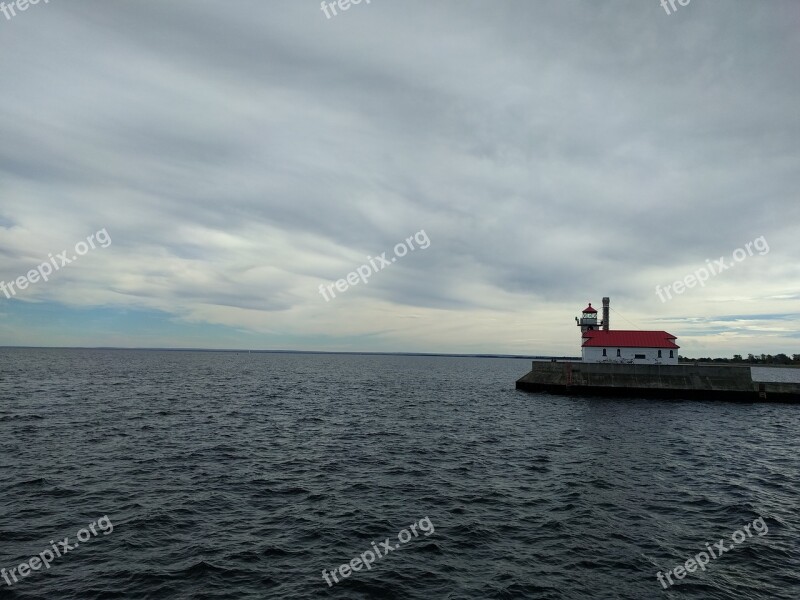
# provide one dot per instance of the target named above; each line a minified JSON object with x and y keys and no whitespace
{"x":245,"y":475}
{"x":782,"y":375}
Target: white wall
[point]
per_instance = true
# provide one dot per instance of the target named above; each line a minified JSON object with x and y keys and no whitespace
{"x":595,"y":355}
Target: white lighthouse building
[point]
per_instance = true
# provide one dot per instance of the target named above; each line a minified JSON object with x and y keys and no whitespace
{"x":602,"y":344}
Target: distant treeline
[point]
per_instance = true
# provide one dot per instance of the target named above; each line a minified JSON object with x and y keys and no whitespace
{"x":753,"y":359}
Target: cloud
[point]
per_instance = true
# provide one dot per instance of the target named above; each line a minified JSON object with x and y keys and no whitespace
{"x":554,"y":152}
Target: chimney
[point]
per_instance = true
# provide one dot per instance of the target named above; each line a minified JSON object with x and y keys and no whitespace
{"x":606,"y":306}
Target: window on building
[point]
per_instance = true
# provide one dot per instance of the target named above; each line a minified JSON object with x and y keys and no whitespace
{"x":659,"y":354}
{"x":671,"y":354}
{"x":604,"y":352}
{"x":640,"y":356}
{"x":618,"y":352}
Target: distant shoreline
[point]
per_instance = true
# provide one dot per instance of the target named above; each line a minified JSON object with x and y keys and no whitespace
{"x":245,"y":351}
{"x":683,"y":360}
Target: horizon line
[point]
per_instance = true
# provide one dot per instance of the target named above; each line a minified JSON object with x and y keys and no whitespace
{"x":247,"y":350}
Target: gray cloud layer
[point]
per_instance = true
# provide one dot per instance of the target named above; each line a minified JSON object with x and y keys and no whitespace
{"x":242,"y":153}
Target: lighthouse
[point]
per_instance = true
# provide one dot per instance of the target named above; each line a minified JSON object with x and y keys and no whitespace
{"x":600,"y":344}
{"x":588,"y":320}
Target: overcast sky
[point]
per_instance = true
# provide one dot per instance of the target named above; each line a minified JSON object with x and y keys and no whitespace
{"x":240,"y":154}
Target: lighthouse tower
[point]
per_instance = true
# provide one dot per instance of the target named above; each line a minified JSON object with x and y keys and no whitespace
{"x":588,"y":320}
{"x":600,"y":344}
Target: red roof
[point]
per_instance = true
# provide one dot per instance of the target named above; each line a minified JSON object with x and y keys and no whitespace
{"x":589,"y":309}
{"x":619,"y":338}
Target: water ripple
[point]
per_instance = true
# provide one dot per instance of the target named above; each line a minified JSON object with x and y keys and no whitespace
{"x":239,"y":476}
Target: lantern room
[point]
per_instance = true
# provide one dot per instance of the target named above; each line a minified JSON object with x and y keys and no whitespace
{"x":588,"y":320}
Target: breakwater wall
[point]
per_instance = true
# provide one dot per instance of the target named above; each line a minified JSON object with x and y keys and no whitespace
{"x":691,"y":381}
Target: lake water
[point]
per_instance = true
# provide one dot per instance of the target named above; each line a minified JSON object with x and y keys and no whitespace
{"x":243,"y":476}
{"x":775,"y":374}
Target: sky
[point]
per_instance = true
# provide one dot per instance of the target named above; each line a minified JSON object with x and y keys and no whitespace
{"x":211,"y":171}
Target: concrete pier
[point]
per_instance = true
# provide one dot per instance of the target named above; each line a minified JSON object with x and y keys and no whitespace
{"x":690,"y":381}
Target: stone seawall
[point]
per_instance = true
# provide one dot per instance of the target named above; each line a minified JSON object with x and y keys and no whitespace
{"x":659,"y":381}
